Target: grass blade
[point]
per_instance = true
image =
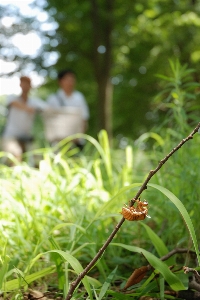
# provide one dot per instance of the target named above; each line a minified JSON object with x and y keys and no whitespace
{"x":76,"y":266}
{"x":159,"y":245}
{"x":16,"y":283}
{"x":107,"y":284}
{"x":183,"y":212}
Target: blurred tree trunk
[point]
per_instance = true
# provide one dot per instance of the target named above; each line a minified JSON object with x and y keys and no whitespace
{"x":102,"y":23}
{"x":105,"y":95}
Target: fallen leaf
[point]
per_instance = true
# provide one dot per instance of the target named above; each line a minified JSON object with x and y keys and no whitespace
{"x":137,"y":276}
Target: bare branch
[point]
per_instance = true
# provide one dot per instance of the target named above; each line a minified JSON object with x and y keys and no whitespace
{"x":175,"y":251}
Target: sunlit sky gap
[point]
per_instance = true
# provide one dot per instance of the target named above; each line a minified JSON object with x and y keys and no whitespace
{"x":27,"y":44}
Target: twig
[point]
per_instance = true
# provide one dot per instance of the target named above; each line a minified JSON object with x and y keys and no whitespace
{"x":142,"y":188}
{"x":196,"y":274}
{"x":174,"y":251}
{"x":195,"y":283}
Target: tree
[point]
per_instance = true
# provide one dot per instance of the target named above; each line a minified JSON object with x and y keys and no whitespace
{"x":116,"y":48}
{"x":123,"y":44}
{"x":17,"y":24}
{"x":86,"y":32}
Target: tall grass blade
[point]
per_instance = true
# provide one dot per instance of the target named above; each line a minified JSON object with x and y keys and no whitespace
{"x":67,"y":257}
{"x":107,"y":284}
{"x":152,"y":135}
{"x":59,"y":226}
{"x":75,"y":265}
{"x":162,"y":288}
{"x":16,"y":283}
{"x":3,"y":271}
{"x":90,"y":139}
{"x":98,"y":173}
{"x":183,"y":212}
{"x":149,"y":285}
{"x":104,"y":142}
{"x":129,"y":158}
{"x":159,"y":245}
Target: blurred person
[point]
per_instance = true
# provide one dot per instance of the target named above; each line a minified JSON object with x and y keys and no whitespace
{"x":67,"y":96}
{"x":17,"y":134}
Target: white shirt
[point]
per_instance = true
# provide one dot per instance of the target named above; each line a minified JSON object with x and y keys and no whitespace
{"x":20,"y":122}
{"x":76,"y":99}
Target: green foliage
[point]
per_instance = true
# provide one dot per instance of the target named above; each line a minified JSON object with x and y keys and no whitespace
{"x":178,"y":97}
{"x":158,"y":265}
{"x":61,"y":205}
{"x":56,"y":218}
{"x":184,"y":214}
{"x":106,"y":284}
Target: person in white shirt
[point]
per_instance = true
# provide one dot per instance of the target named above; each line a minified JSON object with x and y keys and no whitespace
{"x":17,"y":133}
{"x":67,"y":96}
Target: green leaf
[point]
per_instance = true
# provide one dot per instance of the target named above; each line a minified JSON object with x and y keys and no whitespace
{"x":157,"y":264}
{"x":162,"y":288}
{"x":59,"y":226}
{"x":104,"y":142}
{"x":16,"y":283}
{"x":67,"y":257}
{"x":152,"y":135}
{"x":121,"y":296}
{"x":3,"y":270}
{"x":175,"y":95}
{"x":94,"y":282}
{"x":159,"y":245}
{"x":75,"y":265}
{"x":183,"y":212}
{"x":107,"y":283}
{"x":171,"y":79}
{"x":149,"y":285}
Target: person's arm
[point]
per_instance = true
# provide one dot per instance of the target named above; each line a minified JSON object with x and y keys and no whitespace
{"x":52,"y":101}
{"x":22,"y":106}
{"x":39,"y":104}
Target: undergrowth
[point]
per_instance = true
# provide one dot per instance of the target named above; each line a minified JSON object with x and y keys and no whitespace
{"x":55,"y":218}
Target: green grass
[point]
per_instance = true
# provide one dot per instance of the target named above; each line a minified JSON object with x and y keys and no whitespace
{"x":56,"y":217}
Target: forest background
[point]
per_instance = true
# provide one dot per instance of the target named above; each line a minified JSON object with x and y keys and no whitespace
{"x":115,"y":47}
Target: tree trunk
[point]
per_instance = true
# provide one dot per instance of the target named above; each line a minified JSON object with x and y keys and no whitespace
{"x":105,"y":97}
{"x":102,"y":29}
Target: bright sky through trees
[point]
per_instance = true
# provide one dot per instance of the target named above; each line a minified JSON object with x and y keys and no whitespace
{"x":28,"y":44}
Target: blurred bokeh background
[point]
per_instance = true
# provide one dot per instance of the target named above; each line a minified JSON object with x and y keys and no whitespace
{"x":116,"y":48}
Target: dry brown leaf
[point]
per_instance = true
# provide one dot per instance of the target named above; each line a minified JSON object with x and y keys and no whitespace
{"x":137,"y":276}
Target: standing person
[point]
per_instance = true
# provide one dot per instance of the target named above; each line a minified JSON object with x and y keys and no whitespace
{"x":68,"y":96}
{"x":17,"y":133}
